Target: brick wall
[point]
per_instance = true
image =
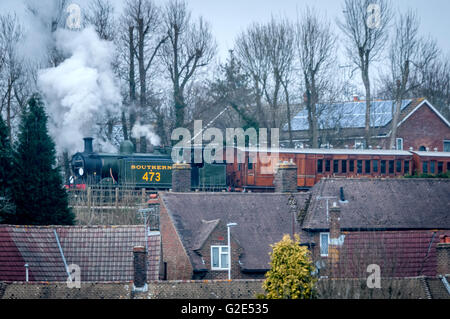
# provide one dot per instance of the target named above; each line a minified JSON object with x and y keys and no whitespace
{"x":285,"y":179}
{"x":173,"y":252}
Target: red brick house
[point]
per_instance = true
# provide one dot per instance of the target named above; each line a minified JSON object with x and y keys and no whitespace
{"x":395,"y":223}
{"x":421,"y":126}
{"x":103,"y":253}
{"x":194,"y":237}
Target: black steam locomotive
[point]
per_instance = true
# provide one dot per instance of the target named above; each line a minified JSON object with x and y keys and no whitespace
{"x":139,"y":170}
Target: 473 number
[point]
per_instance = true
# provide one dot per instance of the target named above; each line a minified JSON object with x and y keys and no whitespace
{"x":152,"y":176}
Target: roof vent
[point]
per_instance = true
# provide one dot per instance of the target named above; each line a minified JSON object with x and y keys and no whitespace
{"x":342,"y":196}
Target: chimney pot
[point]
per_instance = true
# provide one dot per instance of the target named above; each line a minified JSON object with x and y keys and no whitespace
{"x":140,"y":268}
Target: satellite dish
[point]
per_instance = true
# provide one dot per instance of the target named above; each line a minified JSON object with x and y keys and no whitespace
{"x":320,"y":264}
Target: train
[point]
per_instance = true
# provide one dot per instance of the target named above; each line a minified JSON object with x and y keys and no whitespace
{"x":153,"y":170}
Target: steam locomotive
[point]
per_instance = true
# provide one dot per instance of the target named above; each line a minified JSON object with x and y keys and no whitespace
{"x":139,"y":170}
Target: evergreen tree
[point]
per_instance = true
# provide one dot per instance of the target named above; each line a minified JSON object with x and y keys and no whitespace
{"x":290,"y":275}
{"x":38,"y":194}
{"x":6,"y":205}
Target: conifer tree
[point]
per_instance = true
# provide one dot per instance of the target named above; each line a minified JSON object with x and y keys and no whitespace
{"x":6,"y":205}
{"x":38,"y":193}
{"x":290,"y":275}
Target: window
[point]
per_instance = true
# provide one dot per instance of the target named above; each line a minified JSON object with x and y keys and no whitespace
{"x":446,"y":146}
{"x":219,"y":257}
{"x":250,"y":163}
{"x":335,"y":166}
{"x":399,"y":166}
{"x":324,"y":242}
{"x":344,"y":166}
{"x":375,"y":166}
{"x":352,"y":166}
{"x":406,"y":167}
{"x":432,"y":167}
{"x":425,"y":167}
{"x":391,"y":167}
{"x":359,"y":166}
{"x":399,"y":143}
{"x":367,"y":167}
{"x":440,"y":167}
{"x":327,"y":165}
{"x":319,"y":166}
{"x":383,"y":167}
{"x":448,"y":166}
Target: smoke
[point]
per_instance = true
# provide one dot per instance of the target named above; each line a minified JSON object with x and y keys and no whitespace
{"x":81,"y":89}
{"x":147,"y":131}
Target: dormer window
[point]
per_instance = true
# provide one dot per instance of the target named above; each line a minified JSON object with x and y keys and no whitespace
{"x":219,"y":257}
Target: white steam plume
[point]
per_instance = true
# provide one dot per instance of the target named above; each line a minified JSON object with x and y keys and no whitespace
{"x":81,"y":89}
{"x":147,"y":131}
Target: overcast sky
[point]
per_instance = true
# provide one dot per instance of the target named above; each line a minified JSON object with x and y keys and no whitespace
{"x":229,"y":17}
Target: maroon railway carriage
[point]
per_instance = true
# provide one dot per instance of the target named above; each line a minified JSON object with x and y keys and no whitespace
{"x":314,"y":164}
{"x":431,"y":162}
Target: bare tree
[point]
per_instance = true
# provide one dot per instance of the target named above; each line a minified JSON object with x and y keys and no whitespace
{"x":266,"y":52}
{"x":409,"y":58}
{"x":316,"y":48}
{"x":190,"y":46}
{"x":13,"y":72}
{"x":365,"y":25}
{"x":100,"y":14}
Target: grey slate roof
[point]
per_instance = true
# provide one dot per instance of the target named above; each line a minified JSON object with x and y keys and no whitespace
{"x":347,"y":114}
{"x":262,"y":220}
{"x":104,"y":253}
{"x":383,"y":204}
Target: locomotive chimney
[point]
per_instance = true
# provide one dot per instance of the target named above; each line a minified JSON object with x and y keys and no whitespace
{"x":88,"y":145}
{"x":285,"y":179}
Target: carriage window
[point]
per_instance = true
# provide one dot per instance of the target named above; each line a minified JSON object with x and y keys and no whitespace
{"x":375,"y":166}
{"x":391,"y":167}
{"x":432,"y":167}
{"x":359,"y":166}
{"x":250,"y":163}
{"x":440,"y":167}
{"x":383,"y":167}
{"x":425,"y":167}
{"x":367,"y":166}
{"x":319,"y":166}
{"x":352,"y":166}
{"x":336,"y":166}
{"x":327,"y":165}
{"x":344,"y":166}
{"x":407,"y":167}
{"x":399,"y":166}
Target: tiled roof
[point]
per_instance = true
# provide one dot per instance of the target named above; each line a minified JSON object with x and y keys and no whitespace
{"x":382,"y":204}
{"x":262,"y":220}
{"x":103,"y":253}
{"x":347,"y":115}
{"x":398,"y":253}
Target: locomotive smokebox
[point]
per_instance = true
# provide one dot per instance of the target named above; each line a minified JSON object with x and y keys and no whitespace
{"x":88,"y":145}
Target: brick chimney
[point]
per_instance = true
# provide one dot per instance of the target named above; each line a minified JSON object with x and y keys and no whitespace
{"x":443,"y":255}
{"x":181,"y":177}
{"x":285,"y":179}
{"x":139,"y":268}
{"x":336,"y":240}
